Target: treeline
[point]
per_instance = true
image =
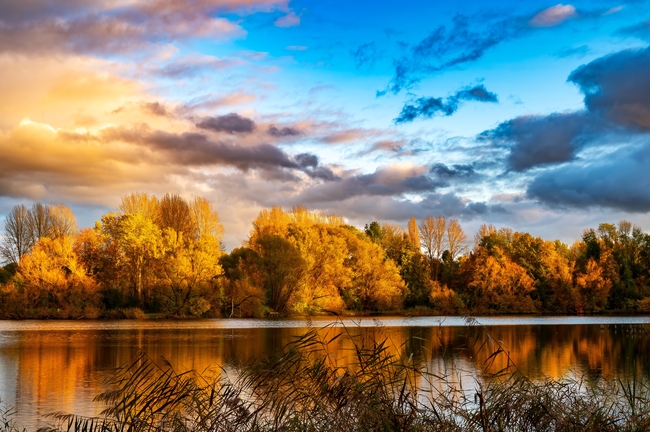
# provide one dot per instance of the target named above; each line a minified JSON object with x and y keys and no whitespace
{"x":165,"y":256}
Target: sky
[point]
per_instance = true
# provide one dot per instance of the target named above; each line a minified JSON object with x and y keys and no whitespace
{"x":523,"y":114}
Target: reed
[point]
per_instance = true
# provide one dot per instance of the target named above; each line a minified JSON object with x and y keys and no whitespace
{"x":304,"y":388}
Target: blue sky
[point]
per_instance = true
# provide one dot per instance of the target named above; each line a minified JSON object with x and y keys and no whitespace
{"x":530,"y":115}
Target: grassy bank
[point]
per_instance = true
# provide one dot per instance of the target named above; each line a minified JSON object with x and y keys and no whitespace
{"x":303,"y":388}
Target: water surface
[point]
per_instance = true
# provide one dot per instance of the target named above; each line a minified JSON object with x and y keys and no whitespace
{"x":48,"y":366}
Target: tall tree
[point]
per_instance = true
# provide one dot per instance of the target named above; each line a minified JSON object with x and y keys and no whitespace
{"x":205,"y":220}
{"x":140,"y":203}
{"x":455,"y":239}
{"x":175,"y":213}
{"x":41,"y":223}
{"x":283,"y":269}
{"x":432,"y":235}
{"x":140,"y":243}
{"x":414,"y":235}
{"x":64,"y":222}
{"x":17,"y":236}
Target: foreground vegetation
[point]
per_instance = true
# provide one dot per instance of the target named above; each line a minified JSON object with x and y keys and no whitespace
{"x":165,"y":257}
{"x":375,"y":388}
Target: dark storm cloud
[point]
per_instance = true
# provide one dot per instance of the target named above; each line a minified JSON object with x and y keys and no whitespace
{"x":620,"y":181}
{"x":430,"y":106}
{"x":386,"y":181}
{"x":452,"y":205}
{"x":616,"y":92}
{"x":617,"y":87}
{"x":196,"y":149}
{"x":615,"y":125}
{"x":365,"y":54}
{"x":282,"y":132}
{"x":464,"y":41}
{"x":543,"y":140}
{"x":229,"y":123}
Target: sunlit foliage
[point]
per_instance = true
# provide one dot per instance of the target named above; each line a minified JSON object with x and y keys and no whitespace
{"x":165,"y":256}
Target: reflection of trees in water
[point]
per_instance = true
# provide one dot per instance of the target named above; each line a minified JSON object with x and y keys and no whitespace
{"x":61,"y":370}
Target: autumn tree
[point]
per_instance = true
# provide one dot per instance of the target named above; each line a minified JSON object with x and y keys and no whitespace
{"x":64,"y":222}
{"x":186,"y":272}
{"x":175,"y":213}
{"x":496,"y":284}
{"x":455,"y":239}
{"x":55,"y":282}
{"x":140,"y":203}
{"x":593,"y":288}
{"x":205,"y":220}
{"x":282,"y":268}
{"x":242,"y":283}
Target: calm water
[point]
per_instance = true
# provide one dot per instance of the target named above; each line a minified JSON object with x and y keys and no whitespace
{"x":48,"y":366}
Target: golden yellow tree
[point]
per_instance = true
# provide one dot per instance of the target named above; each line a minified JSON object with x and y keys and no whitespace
{"x":54,"y":279}
{"x":140,"y":244}
{"x":497,"y":284}
{"x":140,"y":203}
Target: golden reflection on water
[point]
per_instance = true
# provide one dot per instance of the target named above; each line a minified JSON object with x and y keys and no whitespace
{"x":47,"y":371}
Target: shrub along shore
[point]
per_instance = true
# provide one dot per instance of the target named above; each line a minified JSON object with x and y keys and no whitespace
{"x":377,"y":387}
{"x":164,"y":257}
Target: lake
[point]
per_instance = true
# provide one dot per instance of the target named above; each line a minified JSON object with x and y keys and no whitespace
{"x":48,"y":366}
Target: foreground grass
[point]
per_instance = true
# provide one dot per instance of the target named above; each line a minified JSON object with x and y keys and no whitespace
{"x":303,"y":388}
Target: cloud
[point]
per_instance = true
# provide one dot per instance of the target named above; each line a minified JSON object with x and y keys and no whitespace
{"x":363,"y":209}
{"x":618,"y":181}
{"x":553,"y":16}
{"x":456,"y":172}
{"x":105,"y":26}
{"x":283,"y":132}
{"x":365,"y":54}
{"x":396,"y":147}
{"x":191,"y":65}
{"x":307,"y":160}
{"x":118,"y":32}
{"x":98,"y":165}
{"x":463,"y":42}
{"x":616,"y":92}
{"x":617,"y":87}
{"x":466,"y":40}
{"x":391,"y":180}
{"x":604,"y":149}
{"x":155,"y":108}
{"x":640,"y":30}
{"x":289,"y":20}
{"x":297,"y":48}
{"x":229,"y":123}
{"x":431,"y":106}
{"x":543,"y":140}
{"x":579,"y":51}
